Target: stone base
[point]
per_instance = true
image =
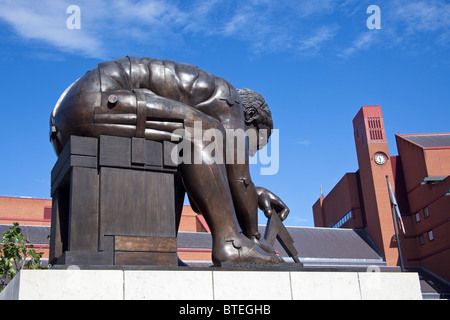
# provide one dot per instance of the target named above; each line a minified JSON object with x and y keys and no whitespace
{"x":210,"y":285}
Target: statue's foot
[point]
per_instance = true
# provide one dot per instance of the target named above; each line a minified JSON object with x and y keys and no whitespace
{"x":263,"y":243}
{"x":242,"y":249}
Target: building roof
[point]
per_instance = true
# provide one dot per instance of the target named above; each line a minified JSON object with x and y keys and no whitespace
{"x":194,"y":240}
{"x":34,"y":234}
{"x":332,"y":247}
{"x":332,"y":243}
{"x":434,"y":140}
{"x":315,"y":246}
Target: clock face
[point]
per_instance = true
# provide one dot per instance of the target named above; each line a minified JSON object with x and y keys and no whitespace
{"x":380,"y":158}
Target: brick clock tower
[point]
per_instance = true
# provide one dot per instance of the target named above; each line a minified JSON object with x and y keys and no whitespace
{"x":374,"y":165}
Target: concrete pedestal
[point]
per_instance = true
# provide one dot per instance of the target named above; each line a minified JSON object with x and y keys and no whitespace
{"x":210,"y":285}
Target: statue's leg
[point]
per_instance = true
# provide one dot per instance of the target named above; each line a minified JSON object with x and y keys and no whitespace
{"x":207,"y":185}
{"x":245,"y":200}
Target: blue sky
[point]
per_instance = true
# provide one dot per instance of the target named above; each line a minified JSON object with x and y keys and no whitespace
{"x":315,"y":62}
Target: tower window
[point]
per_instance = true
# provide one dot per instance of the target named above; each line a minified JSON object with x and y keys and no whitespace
{"x":421,"y":240}
{"x":375,"y":129}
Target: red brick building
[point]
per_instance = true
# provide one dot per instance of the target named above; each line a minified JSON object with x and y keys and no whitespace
{"x":25,"y":211}
{"x":420,"y":180}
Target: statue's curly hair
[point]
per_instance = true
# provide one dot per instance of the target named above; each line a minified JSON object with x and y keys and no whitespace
{"x":252,"y":100}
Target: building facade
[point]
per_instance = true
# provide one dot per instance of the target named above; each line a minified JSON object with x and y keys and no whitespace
{"x":419,"y":179}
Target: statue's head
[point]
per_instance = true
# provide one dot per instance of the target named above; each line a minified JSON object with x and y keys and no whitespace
{"x":257,"y":116}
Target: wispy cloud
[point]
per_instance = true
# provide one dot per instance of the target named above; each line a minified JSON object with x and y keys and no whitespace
{"x":46,"y":21}
{"x":422,"y":16}
{"x":107,"y":26}
{"x":406,"y":24}
{"x":277,"y":26}
{"x":265,"y":25}
{"x":362,"y":42}
{"x":304,"y":142}
{"x":322,"y":35}
{"x":426,"y":20}
{"x":303,"y":28}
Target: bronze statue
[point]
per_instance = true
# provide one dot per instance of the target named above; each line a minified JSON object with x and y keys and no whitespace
{"x":150,"y":98}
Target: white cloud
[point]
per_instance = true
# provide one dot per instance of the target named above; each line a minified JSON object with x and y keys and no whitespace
{"x":412,"y":25}
{"x":422,"y":16}
{"x":277,"y":26}
{"x":422,"y":24}
{"x":105,"y":26}
{"x":313,"y":43}
{"x":237,"y":23}
{"x":205,"y":16}
{"x":265,"y":25}
{"x":362,"y":42}
{"x":46,"y":22}
{"x":303,"y":28}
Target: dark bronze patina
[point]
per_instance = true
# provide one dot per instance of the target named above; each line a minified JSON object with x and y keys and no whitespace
{"x":151,"y":98}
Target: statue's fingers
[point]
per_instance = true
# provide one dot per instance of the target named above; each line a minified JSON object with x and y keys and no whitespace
{"x":284,"y":214}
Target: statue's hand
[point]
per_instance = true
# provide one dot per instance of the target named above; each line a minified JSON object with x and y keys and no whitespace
{"x":269,"y":203}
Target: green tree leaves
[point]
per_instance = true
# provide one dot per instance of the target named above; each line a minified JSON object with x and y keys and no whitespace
{"x":16,"y":253}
